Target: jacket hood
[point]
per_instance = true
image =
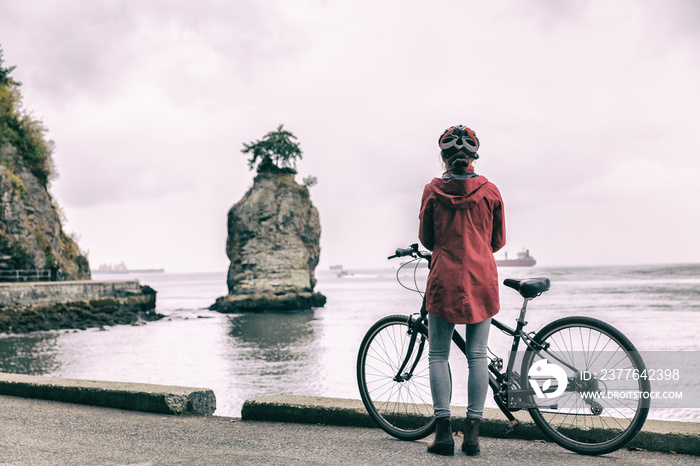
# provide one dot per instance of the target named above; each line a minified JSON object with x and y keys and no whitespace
{"x":459,"y":194}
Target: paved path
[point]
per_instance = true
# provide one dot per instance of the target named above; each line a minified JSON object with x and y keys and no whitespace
{"x":37,"y":432}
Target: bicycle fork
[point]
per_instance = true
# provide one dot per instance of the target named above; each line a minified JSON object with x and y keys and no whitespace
{"x":413,"y":329}
{"x":402,"y":376}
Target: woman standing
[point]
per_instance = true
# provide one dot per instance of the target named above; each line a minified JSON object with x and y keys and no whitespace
{"x":462,"y":222}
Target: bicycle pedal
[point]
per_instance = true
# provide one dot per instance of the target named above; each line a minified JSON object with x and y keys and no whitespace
{"x":511,"y":427}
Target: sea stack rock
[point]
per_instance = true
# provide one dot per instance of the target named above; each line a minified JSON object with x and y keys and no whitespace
{"x":273,"y":245}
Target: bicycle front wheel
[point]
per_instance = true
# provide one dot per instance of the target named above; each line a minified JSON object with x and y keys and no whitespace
{"x":392,"y":375}
{"x":597,"y":403}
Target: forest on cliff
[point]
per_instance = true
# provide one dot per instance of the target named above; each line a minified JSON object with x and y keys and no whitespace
{"x":19,"y":129}
{"x":31,"y":233}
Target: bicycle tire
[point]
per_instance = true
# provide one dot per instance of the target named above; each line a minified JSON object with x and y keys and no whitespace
{"x":402,"y":408}
{"x":604,"y":423}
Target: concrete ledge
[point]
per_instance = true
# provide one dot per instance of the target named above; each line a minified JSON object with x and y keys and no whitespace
{"x":132,"y":396}
{"x":29,"y":307}
{"x":48,"y":293}
{"x":662,"y":436}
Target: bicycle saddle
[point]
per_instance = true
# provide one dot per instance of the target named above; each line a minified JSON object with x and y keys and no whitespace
{"x":529,"y":287}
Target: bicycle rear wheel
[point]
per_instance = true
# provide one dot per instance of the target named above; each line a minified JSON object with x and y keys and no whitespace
{"x":602,"y":406}
{"x":400,"y":403}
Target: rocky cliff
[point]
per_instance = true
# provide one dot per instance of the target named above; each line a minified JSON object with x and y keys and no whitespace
{"x":273,"y":245}
{"x":31,"y":233}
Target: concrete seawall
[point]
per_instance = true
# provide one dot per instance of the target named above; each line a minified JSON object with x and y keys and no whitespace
{"x":27,"y":307}
{"x":47,"y":293}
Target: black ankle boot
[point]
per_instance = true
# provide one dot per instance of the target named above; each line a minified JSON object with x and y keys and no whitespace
{"x":444,"y":443}
{"x":470,"y":444}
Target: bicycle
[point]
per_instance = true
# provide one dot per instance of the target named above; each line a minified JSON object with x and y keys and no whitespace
{"x":571,"y":375}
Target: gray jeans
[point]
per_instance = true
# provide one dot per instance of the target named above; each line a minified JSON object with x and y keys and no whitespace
{"x":440,"y":339}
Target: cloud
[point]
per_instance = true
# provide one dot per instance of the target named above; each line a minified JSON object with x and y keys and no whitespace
{"x":579,"y":105}
{"x":74,"y":46}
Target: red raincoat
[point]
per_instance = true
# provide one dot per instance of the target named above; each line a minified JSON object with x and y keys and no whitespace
{"x":462,"y":222}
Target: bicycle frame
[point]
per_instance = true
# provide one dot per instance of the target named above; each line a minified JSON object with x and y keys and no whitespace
{"x":498,"y":381}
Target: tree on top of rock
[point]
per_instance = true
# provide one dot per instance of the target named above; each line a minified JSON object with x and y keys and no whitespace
{"x":275,"y":152}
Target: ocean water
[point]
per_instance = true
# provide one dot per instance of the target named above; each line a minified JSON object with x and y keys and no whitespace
{"x":241,"y":356}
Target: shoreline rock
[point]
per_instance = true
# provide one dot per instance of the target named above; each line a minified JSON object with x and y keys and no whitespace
{"x":268,"y":302}
{"x":128,"y":303}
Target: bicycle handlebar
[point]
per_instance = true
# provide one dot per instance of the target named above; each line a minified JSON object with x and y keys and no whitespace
{"x":401,"y":252}
{"x":410,"y":251}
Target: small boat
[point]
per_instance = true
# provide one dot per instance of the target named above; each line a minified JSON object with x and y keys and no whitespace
{"x":340,"y":271}
{"x":524,"y":260}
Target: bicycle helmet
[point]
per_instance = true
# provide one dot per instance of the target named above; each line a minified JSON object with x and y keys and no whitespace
{"x":456,"y":138}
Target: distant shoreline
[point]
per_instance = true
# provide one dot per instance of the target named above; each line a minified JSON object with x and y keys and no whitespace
{"x":101,"y":272}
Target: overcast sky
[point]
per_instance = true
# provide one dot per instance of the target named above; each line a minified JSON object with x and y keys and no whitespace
{"x":587,"y":111}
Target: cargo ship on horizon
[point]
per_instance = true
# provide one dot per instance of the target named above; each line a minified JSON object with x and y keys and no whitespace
{"x":122,"y":268}
{"x":524,"y":260}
